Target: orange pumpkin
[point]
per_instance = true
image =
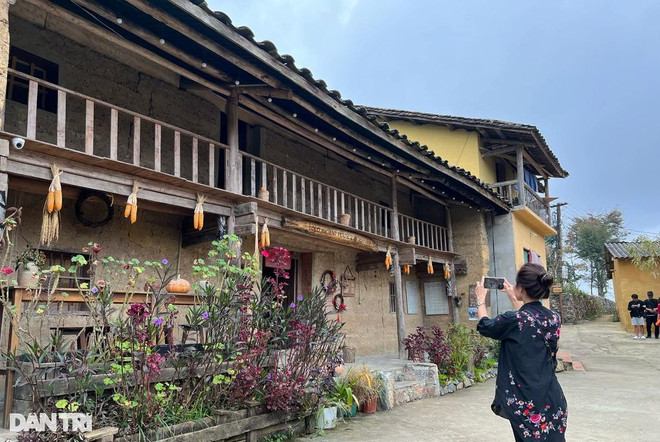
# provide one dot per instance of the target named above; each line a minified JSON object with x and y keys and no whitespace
{"x":178,"y":285}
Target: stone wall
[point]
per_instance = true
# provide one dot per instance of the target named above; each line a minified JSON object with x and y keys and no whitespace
{"x":573,"y":308}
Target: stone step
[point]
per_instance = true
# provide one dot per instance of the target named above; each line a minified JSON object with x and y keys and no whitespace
{"x":408,"y":391}
{"x":577,"y":366}
{"x":564,"y":356}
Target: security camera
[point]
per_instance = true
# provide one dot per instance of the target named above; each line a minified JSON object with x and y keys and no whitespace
{"x":18,"y":142}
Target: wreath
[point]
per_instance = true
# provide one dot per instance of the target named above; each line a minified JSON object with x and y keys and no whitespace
{"x":98,"y":222}
{"x":338,"y":302}
{"x":329,"y":287}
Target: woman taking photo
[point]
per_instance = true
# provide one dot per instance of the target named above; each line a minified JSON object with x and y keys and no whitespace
{"x":527,"y":392}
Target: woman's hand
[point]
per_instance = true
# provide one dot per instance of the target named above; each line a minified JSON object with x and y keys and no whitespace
{"x":481,"y":291}
{"x":510,"y":291}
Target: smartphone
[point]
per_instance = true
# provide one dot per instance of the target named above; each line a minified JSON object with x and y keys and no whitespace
{"x":493,"y":283}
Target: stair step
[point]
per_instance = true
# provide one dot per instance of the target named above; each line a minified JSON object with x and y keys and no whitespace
{"x":564,"y":356}
{"x":398,"y":385}
{"x":577,"y":366}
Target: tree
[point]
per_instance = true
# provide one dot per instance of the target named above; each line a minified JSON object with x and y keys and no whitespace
{"x":645,"y":252}
{"x":587,"y":237}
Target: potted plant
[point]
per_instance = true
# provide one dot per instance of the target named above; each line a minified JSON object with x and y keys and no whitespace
{"x":343,"y":392}
{"x":366,"y":386}
{"x":28,"y":266}
{"x":326,"y":416}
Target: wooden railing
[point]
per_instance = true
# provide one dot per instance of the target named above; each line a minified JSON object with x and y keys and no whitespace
{"x":508,"y":190}
{"x":103,"y":130}
{"x":425,"y":234}
{"x":305,"y":195}
{"x":150,"y":139}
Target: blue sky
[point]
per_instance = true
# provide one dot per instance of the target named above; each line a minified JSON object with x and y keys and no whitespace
{"x":586,"y":73}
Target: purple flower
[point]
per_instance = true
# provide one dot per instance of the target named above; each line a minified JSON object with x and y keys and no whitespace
{"x":95,"y":289}
{"x":269,"y":376}
{"x":293,"y":305}
{"x":300,"y":297}
{"x":165,"y":261}
{"x":205,"y":315}
{"x":158,"y":321}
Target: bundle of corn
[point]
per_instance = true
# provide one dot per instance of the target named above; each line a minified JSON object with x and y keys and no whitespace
{"x":447,"y":272}
{"x":388,"y":258}
{"x":265,"y":234}
{"x":50,"y":223}
{"x":429,"y":266}
{"x":198,"y":216}
{"x":406,"y":269}
{"x":131,"y":204}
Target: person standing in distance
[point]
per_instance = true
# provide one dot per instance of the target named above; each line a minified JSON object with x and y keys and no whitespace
{"x":636,"y":309}
{"x":651,"y":310}
{"x":527,"y":393}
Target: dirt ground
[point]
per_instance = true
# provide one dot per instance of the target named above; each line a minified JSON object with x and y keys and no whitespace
{"x":610,"y":401}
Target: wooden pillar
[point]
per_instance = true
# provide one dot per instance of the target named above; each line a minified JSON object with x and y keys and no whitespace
{"x":4,"y":180}
{"x":450,"y":230}
{"x":4,"y":57}
{"x":398,"y":281}
{"x":521,"y":176}
{"x":233,"y":167}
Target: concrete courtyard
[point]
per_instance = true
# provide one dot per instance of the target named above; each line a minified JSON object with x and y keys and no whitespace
{"x":611,"y":401}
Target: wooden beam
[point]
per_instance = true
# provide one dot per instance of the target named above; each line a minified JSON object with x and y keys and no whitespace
{"x":153,"y":39}
{"x":540,"y":169}
{"x":500,"y":134}
{"x":428,"y":194}
{"x":508,"y":142}
{"x":265,"y":91}
{"x":497,"y":152}
{"x":123,"y":43}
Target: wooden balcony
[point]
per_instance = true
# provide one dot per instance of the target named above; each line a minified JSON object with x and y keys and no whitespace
{"x":508,"y":190}
{"x":94,"y":128}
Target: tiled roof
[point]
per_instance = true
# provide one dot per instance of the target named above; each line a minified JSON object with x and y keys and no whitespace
{"x":493,"y":128}
{"x":289,"y":62}
{"x":625,"y":250}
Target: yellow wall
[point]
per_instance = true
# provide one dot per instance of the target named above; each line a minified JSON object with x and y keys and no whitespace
{"x":628,"y":279}
{"x":527,"y":236}
{"x":459,"y":147}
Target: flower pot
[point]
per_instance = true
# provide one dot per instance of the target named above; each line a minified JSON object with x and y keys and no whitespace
{"x":411,"y":240}
{"x":28,"y":275}
{"x":345,"y":219}
{"x":351,"y":412}
{"x":349,"y":354}
{"x":264,"y":194}
{"x":369,"y":406}
{"x":327,"y":418}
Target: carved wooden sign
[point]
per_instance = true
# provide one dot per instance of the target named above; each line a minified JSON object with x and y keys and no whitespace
{"x":336,"y":235}
{"x":407,"y":255}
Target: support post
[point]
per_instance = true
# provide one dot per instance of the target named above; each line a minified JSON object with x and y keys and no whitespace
{"x":450,"y":231}
{"x":521,"y":176}
{"x":4,"y":58}
{"x":560,"y":251}
{"x":398,"y":281}
{"x":233,"y":167}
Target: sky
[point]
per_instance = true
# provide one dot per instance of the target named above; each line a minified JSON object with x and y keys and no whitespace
{"x":586,"y":73}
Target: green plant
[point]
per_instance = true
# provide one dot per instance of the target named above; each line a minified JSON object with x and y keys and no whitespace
{"x":343,"y":392}
{"x":30,"y":254}
{"x":366,"y":386}
{"x":461,"y":341}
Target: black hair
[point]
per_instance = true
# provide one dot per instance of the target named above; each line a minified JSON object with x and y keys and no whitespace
{"x":634,"y":295}
{"x":649,"y":293}
{"x":535,"y":280}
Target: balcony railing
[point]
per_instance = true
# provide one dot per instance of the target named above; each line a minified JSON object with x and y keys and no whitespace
{"x":95,"y":128}
{"x":508,"y":190}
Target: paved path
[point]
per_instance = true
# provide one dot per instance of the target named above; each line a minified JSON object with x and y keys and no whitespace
{"x":610,"y":401}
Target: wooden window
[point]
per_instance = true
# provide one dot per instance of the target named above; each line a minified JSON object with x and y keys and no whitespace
{"x":30,"y":64}
{"x":392,"y":298}
{"x":412,"y":297}
{"x":63,"y":258}
{"x":435,"y":298}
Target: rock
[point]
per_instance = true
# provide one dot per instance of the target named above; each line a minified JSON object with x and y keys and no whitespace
{"x":560,"y":367}
{"x":468,"y":383}
{"x":460,"y":386}
{"x":451,"y":388}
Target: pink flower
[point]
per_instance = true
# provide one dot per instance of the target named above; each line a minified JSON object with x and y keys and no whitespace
{"x":7,"y":271}
{"x":535,"y":418}
{"x":265,"y":253}
{"x":96,"y":248}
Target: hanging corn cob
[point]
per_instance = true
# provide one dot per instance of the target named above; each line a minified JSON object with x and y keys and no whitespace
{"x":429,"y":266}
{"x":131,"y":204}
{"x":198,"y":215}
{"x":388,"y":258}
{"x":447,"y":272}
{"x":50,"y":223}
{"x":406,"y":269}
{"x":265,"y":235}
{"x":54,"y":199}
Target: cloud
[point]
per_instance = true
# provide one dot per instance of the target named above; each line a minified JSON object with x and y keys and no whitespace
{"x":347,"y":11}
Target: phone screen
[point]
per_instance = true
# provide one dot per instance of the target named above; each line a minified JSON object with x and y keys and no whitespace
{"x":494,"y":283}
